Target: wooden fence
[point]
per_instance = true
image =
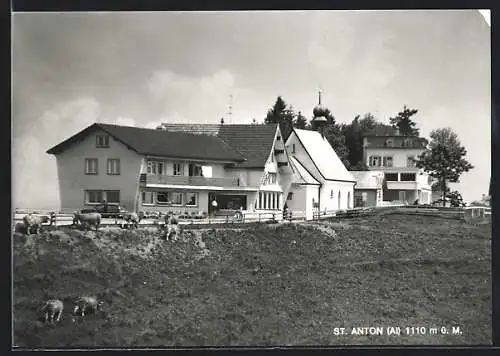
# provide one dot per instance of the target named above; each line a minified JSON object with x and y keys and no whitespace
{"x":469,"y":214}
{"x":66,"y":219}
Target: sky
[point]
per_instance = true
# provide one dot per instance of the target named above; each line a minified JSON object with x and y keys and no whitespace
{"x":143,"y":68}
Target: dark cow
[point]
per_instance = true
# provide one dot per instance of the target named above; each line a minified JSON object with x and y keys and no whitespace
{"x":52,"y":310}
{"x":87,"y":219}
{"x":85,"y":306}
{"x":33,"y":221}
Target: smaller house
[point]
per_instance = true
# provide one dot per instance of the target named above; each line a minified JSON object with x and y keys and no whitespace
{"x":368,"y":190}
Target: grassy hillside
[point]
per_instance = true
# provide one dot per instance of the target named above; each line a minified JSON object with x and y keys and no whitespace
{"x":256,"y":287}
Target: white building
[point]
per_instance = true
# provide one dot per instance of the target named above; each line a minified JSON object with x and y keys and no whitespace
{"x":395,"y":156}
{"x":322,"y":181}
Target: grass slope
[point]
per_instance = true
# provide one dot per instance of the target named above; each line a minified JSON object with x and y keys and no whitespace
{"x":255,"y":287}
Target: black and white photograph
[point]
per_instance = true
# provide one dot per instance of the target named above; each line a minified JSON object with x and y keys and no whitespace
{"x":251,"y":178}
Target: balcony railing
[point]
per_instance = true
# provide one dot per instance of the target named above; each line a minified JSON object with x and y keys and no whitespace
{"x":185,"y":180}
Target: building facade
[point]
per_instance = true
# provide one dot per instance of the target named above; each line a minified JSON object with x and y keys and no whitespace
{"x":395,"y":157}
{"x":159,"y":170}
{"x":321,"y":182}
{"x":368,"y":191}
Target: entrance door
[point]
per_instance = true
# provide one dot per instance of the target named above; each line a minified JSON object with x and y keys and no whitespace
{"x":402,"y":195}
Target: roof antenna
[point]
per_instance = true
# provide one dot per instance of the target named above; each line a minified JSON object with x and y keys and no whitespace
{"x":230,"y":108}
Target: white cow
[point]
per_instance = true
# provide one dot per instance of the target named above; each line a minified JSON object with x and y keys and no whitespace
{"x":32,"y":221}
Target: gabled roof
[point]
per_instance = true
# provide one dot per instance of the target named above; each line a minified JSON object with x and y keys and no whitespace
{"x":301,"y":174}
{"x":323,"y":156}
{"x":254,"y":142}
{"x":160,"y":143}
{"x":368,"y":179}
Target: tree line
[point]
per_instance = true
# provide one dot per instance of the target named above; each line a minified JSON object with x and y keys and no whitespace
{"x":443,"y":158}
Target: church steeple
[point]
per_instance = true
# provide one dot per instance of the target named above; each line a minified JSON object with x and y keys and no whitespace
{"x":319,"y":116}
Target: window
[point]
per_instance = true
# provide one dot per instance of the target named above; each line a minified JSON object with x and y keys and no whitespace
{"x":113,"y":166}
{"x":156,"y":167}
{"x":147,"y":198}
{"x":112,"y":196}
{"x":195,"y":170}
{"x":265,"y":200}
{"x":339,"y":201}
{"x":98,"y":196}
{"x":191,"y":199}
{"x":375,"y":161}
{"x":407,"y":142}
{"x":178,"y":169}
{"x":348,"y":200}
{"x":364,"y":196}
{"x":162,"y":198}
{"x":91,"y":166}
{"x":387,"y":161}
{"x":331,"y":194}
{"x":278,"y":138}
{"x":102,"y":141}
{"x":391,"y":177}
{"x":260,"y":200}
{"x":290,"y":196}
{"x":93,"y":197}
{"x":272,"y":178}
{"x":293,"y":148}
{"x":410,"y":161}
{"x":176,"y":198}
{"x":388,"y":143}
{"x":408,"y":177}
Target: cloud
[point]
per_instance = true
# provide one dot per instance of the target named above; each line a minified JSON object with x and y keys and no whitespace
{"x":124,"y":121}
{"x":331,"y":42}
{"x":34,"y":171}
{"x":194,"y":99}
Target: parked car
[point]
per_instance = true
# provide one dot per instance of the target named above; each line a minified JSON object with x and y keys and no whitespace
{"x":114,"y":210}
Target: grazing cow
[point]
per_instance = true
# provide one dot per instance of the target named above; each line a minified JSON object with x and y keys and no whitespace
{"x":32,"y":221}
{"x":132,"y":218}
{"x":86,"y":305}
{"x":52,"y":310}
{"x":87,"y":219}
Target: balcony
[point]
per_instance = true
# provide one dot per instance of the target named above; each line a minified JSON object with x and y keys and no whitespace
{"x":402,"y":185}
{"x":146,"y":179}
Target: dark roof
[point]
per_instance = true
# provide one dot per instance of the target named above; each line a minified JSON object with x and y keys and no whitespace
{"x":397,"y":142}
{"x":160,"y":143}
{"x":382,"y":130}
{"x":252,"y":141}
{"x":204,"y":129}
